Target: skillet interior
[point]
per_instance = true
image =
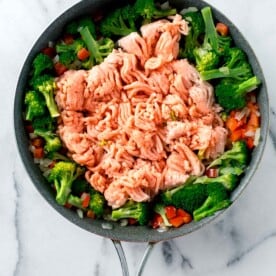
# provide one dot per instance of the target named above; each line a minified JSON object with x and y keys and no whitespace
{"x":134,"y":233}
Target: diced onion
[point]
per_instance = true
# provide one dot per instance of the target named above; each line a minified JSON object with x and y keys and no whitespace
{"x":107,"y":225}
{"x":32,"y":135}
{"x":51,"y":44}
{"x":56,"y":59}
{"x":257,"y":137}
{"x":244,"y":112}
{"x":123,"y":222}
{"x":190,"y":9}
{"x":46,"y":173}
{"x":249,"y":133}
{"x":80,"y":213}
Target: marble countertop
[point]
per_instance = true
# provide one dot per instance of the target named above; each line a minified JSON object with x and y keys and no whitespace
{"x":35,"y":240}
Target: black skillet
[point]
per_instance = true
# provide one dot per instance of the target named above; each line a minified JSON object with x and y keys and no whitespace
{"x":120,"y":233}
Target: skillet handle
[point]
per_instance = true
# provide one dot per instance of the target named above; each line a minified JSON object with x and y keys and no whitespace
{"x":121,"y":254}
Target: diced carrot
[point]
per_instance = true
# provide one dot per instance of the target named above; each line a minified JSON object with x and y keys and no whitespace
{"x":170,"y":211}
{"x":254,"y":120}
{"x":37,"y":142}
{"x":49,"y":51}
{"x":90,"y":214}
{"x":83,"y":54}
{"x":68,"y":39}
{"x":232,"y":123}
{"x":236,"y":135}
{"x":85,"y":198}
{"x":185,"y":215}
{"x":60,"y":68}
{"x":222,"y":29}
{"x":132,"y":221}
{"x":250,"y":142}
{"x":212,"y":172}
{"x":156,"y":221}
{"x":29,"y":128}
{"x":68,"y":205}
{"x":176,"y":221}
{"x":38,"y":152}
{"x":52,"y":164}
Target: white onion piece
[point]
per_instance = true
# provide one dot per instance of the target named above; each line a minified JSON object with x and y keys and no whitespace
{"x":190,"y":9}
{"x":107,"y":225}
{"x":80,"y":213}
{"x":257,"y":137}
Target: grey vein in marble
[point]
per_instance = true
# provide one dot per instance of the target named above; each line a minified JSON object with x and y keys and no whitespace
{"x":244,"y":253}
{"x":17,"y":226}
{"x":185,"y":262}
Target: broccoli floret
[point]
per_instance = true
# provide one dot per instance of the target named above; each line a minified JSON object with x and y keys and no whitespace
{"x":120,"y":22}
{"x":44,"y":122}
{"x":97,"y":49}
{"x":148,"y":10}
{"x":72,"y":48}
{"x":46,"y":85}
{"x":237,"y":156}
{"x":208,"y":55}
{"x":56,"y":156}
{"x":53,"y":143}
{"x":35,"y":105}
{"x":62,"y":175}
{"x":79,"y":186}
{"x":97,"y":203}
{"x":232,"y":95}
{"x":235,"y":66}
{"x":229,"y":181}
{"x":73,"y":27}
{"x":75,"y":201}
{"x":188,"y":197}
{"x":135,"y":210}
{"x":41,"y":63}
{"x":217,"y":199}
{"x":196,"y":28}
{"x":159,"y":208}
{"x":67,"y":58}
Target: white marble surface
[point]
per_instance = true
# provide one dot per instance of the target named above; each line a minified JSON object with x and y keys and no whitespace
{"x":35,"y":240}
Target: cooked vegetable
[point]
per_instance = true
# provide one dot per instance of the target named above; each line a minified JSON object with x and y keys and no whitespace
{"x":46,"y":85}
{"x":35,"y":105}
{"x":231,"y":95}
{"x":53,"y":142}
{"x":41,"y":64}
{"x":160,"y":209}
{"x":192,"y":40}
{"x":74,"y":27}
{"x":188,"y":196}
{"x":44,"y":122}
{"x":119,"y":22}
{"x":136,"y":210}
{"x":217,"y":199}
{"x":148,"y":10}
{"x":237,"y":156}
{"x":208,"y":55}
{"x":62,"y":175}
{"x":98,"y":49}
{"x":97,"y":203}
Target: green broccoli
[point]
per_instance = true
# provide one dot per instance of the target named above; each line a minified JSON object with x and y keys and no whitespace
{"x":44,"y":122}
{"x":41,"y":63}
{"x":53,"y":143}
{"x":79,"y":186}
{"x":237,"y":156}
{"x":136,"y":210}
{"x":35,"y":105}
{"x":75,"y":201}
{"x":208,"y":55}
{"x":72,"y":48}
{"x":62,"y":175}
{"x":217,"y":199}
{"x":235,"y":66}
{"x":148,"y":10}
{"x":67,"y":58}
{"x":97,"y":49}
{"x":196,"y":29}
{"x":46,"y":85}
{"x":229,"y":181}
{"x":119,"y":22}
{"x":57,"y":156}
{"x":159,"y":208}
{"x":97,"y":203}
{"x":74,"y":26}
{"x":231,"y":95}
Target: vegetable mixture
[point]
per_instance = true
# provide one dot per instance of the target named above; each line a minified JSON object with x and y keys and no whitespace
{"x":186,"y":180}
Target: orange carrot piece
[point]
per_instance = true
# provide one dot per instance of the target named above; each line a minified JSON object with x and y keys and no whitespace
{"x":177,"y":221}
{"x":38,"y":153}
{"x":83,"y":54}
{"x":90,"y":214}
{"x":185,"y":215}
{"x":222,"y":29}
{"x":60,"y":68}
{"x":170,"y":211}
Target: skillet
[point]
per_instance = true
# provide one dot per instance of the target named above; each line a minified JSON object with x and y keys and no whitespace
{"x":114,"y":231}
